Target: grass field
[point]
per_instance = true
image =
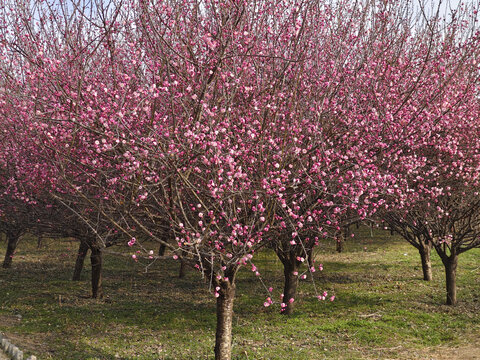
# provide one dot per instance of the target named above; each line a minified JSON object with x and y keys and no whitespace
{"x":383,"y":310}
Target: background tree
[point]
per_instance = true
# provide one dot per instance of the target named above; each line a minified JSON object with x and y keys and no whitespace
{"x":432,"y":99}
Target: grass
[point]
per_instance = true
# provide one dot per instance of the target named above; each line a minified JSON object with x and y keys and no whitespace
{"x":383,"y":310}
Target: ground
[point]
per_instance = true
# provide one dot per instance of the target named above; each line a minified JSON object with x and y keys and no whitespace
{"x":3,"y":356}
{"x":382,"y":310}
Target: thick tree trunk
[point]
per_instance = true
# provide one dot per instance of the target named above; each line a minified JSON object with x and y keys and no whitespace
{"x":82,"y":253}
{"x":290,"y":271}
{"x":96,"y":260}
{"x":223,"y":337}
{"x":425,"y":250}
{"x":450,"y":264}
{"x":12,"y":242}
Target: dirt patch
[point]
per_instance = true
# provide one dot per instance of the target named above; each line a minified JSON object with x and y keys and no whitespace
{"x":9,"y":320}
{"x":466,"y":352}
{"x":463,"y":352}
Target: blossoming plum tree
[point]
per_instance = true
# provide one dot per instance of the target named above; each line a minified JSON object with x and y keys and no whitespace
{"x":50,"y":191}
{"x":229,"y":125}
{"x":188,"y":118}
{"x":430,"y":97}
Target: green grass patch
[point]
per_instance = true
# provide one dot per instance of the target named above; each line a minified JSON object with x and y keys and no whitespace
{"x":382,"y":309}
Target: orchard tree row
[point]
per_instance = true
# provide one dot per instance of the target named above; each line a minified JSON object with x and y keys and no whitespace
{"x":218,"y":128}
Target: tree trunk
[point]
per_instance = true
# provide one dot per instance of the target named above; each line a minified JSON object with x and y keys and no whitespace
{"x":12,"y":242}
{"x":82,"y":253}
{"x":450,"y":264}
{"x":161,"y":250}
{"x":96,"y":260}
{"x":425,"y":250}
{"x":310,"y":257}
{"x":339,"y":245}
{"x":223,"y":336}
{"x":181,"y":271}
{"x":290,"y":271}
{"x":39,"y":241}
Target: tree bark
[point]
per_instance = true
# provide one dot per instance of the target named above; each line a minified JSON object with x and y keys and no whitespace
{"x":223,"y":337}
{"x":450,"y":264}
{"x":310,"y":257}
{"x":340,"y":241}
{"x":161,"y":250}
{"x":290,"y":271}
{"x":39,"y":241}
{"x":425,"y":250}
{"x":12,"y":242}
{"x":96,"y":261}
{"x":82,"y":253}
{"x":181,"y":271}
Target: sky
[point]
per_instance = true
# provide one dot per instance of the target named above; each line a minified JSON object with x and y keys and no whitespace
{"x":446,"y":4}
